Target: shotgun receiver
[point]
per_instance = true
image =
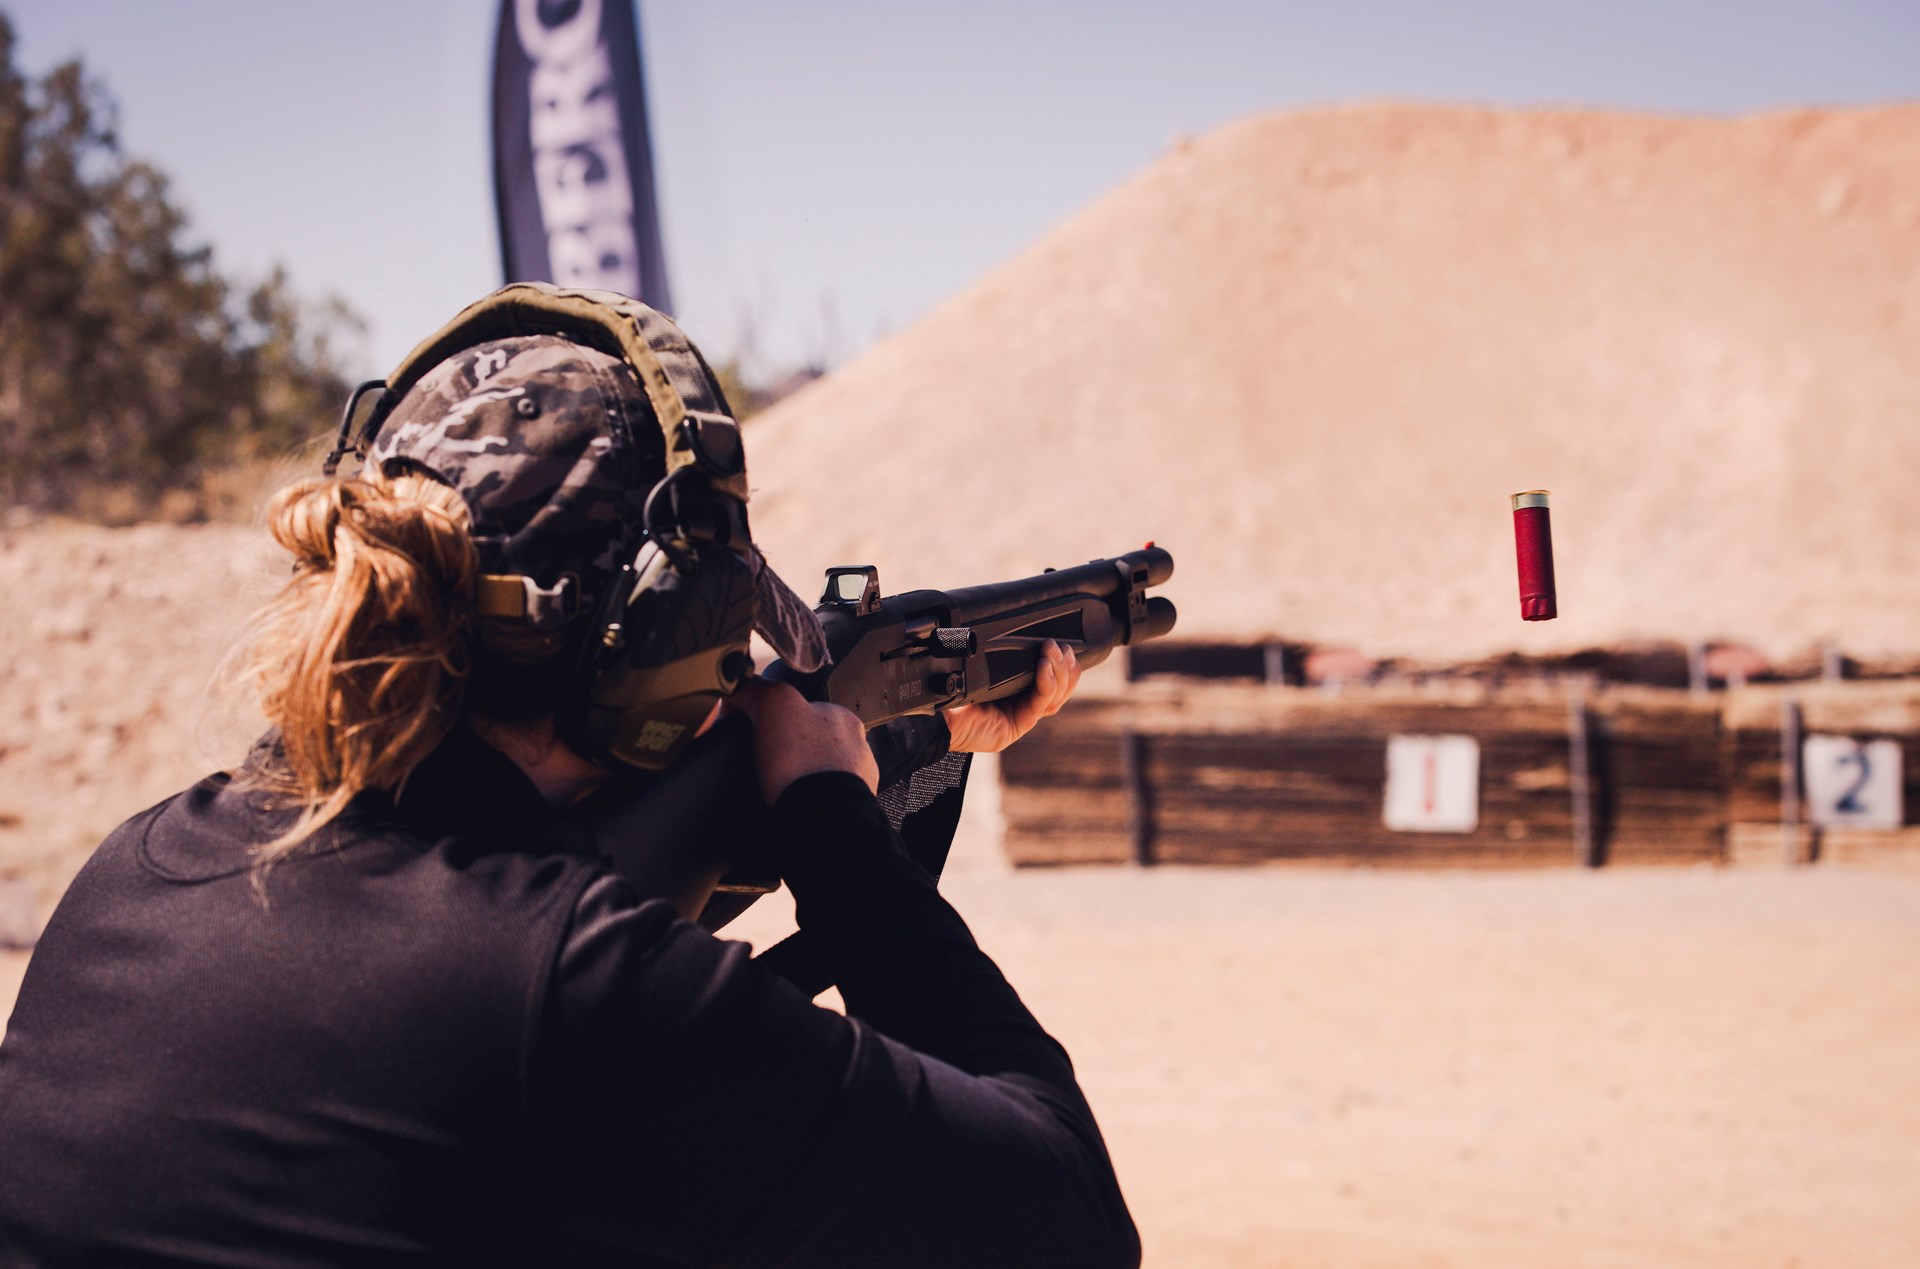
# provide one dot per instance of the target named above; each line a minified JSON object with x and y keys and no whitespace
{"x":897,"y":660}
{"x":925,"y":650}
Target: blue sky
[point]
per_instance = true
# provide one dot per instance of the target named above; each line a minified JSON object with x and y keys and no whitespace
{"x":831,"y":170}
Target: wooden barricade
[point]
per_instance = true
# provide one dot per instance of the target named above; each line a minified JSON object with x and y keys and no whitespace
{"x":1659,"y":763}
{"x":1235,"y":775}
{"x":1764,"y":729}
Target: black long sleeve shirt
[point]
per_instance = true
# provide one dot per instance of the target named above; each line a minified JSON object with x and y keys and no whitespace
{"x":438,"y":1041}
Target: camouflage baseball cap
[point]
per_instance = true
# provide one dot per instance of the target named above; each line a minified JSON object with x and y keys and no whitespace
{"x":555,"y":449}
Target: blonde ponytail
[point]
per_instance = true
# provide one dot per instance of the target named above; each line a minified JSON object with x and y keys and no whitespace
{"x":361,"y":660}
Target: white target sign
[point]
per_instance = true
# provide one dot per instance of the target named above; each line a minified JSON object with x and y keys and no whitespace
{"x":1433,"y":784}
{"x":1852,"y":783}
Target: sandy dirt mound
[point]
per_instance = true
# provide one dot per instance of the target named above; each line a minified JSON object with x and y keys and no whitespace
{"x":111,"y":638}
{"x":1313,"y":353}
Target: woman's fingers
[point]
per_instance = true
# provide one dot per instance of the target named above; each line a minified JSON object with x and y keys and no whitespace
{"x":1059,"y":675}
{"x":990,"y":728}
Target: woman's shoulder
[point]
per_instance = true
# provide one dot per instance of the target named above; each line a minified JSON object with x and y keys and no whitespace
{"x":488,"y":852}
{"x":394,"y":896}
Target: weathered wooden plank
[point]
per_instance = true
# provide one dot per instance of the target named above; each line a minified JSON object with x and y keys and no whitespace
{"x":1029,"y":849}
{"x":1066,"y":752}
{"x":1185,"y":846}
{"x":1899,"y":849}
{"x":1751,"y":775}
{"x":1064,"y":810}
{"x":1700,"y":845}
{"x":1766,"y":845}
{"x":1891,"y":709}
{"x":1278,"y":711}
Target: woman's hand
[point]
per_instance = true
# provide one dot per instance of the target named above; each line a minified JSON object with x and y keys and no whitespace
{"x":795,"y":737}
{"x":991,"y":727}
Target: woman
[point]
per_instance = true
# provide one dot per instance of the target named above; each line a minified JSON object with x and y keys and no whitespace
{"x":354,"y":1004}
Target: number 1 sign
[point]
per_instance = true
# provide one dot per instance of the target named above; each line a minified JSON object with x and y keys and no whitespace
{"x":1433,"y":784}
{"x":1852,"y":783}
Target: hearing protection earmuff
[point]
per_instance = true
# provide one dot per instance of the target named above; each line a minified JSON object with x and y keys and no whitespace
{"x":669,"y":636}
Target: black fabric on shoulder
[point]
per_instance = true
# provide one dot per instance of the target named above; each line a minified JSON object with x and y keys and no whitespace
{"x":685,"y":1100}
{"x":323,"y":1064}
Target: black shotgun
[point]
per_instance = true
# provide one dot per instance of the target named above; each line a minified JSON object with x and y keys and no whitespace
{"x":897,"y":661}
{"x":925,"y":650}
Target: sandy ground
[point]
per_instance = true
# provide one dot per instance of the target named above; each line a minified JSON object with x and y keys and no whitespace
{"x":1351,"y":1069}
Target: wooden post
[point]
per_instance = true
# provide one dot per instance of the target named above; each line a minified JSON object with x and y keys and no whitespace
{"x":1696,"y":668}
{"x":1133,"y":778}
{"x":1790,"y":732}
{"x":1586,"y":839}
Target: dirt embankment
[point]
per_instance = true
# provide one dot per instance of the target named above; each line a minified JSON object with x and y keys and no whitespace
{"x":1312,"y":354}
{"x":111,"y":639}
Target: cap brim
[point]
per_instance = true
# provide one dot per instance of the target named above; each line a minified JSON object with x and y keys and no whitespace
{"x":785,"y":621}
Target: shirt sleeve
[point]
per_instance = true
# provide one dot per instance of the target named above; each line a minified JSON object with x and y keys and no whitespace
{"x":690,"y":1106}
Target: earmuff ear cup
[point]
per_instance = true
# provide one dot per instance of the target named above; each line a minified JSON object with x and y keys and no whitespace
{"x":675,"y":612}
{"x":672,"y":641}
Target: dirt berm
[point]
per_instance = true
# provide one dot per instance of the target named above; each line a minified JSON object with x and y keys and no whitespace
{"x":1313,"y":353}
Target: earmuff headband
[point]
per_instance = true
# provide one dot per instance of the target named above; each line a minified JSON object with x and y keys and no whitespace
{"x":617,"y":326}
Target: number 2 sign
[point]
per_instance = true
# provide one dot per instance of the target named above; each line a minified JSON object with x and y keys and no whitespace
{"x":1852,"y":783}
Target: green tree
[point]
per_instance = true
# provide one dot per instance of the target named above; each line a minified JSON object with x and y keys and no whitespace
{"x":127,"y":362}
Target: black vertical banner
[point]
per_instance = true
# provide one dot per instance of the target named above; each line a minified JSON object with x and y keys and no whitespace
{"x":572,"y":162}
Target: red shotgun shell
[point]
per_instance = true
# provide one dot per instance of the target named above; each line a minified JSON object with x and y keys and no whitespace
{"x":1533,"y":545}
